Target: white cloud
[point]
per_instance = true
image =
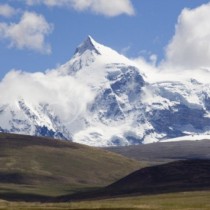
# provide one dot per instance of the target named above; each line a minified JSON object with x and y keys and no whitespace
{"x":190,"y":48}
{"x":155,"y":73}
{"x":188,"y":53}
{"x":153,"y":58}
{"x":125,"y":50}
{"x":62,"y":93}
{"x":150,"y":71}
{"x":7,"y":11}
{"x":105,"y":7}
{"x":29,"y":33}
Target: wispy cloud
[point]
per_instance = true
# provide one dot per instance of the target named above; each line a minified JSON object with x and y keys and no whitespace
{"x":7,"y":11}
{"x":104,"y":7}
{"x":29,"y":33}
{"x":125,"y":50}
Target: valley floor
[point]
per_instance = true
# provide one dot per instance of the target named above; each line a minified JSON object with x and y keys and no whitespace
{"x":199,"y":200}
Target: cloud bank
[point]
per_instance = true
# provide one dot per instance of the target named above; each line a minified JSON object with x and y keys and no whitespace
{"x":189,"y":47}
{"x":109,"y":8}
{"x":29,"y":33}
{"x":62,"y":93}
{"x":188,"y":53}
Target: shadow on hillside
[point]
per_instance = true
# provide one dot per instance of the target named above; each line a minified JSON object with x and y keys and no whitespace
{"x":179,"y":176}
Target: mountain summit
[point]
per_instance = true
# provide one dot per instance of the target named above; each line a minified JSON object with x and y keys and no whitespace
{"x":92,"y":57}
{"x":124,"y":108}
{"x":89,"y":44}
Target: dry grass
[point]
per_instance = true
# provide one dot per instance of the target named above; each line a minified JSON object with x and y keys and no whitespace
{"x":172,"y":201}
{"x":42,"y":166}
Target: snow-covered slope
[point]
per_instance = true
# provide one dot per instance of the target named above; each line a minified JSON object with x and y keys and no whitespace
{"x":124,"y":109}
{"x":25,"y":118}
{"x":189,"y":138}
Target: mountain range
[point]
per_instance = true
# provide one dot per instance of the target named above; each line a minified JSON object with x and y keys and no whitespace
{"x":123,"y":106}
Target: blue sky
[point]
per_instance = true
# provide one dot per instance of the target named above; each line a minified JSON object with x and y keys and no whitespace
{"x":135,"y":28}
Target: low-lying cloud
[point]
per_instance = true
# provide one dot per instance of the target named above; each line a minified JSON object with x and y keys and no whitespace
{"x":65,"y":95}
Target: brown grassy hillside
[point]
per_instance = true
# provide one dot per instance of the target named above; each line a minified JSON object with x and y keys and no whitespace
{"x":43,"y":166}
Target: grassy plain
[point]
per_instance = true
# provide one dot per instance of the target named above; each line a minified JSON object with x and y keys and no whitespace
{"x":34,"y":169}
{"x":199,"y":200}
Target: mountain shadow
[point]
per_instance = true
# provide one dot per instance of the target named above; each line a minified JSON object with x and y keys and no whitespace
{"x":179,"y":176}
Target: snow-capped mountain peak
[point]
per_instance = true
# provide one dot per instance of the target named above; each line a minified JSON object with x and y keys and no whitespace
{"x":118,"y":106}
{"x":88,"y":45}
{"x":91,"y":54}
